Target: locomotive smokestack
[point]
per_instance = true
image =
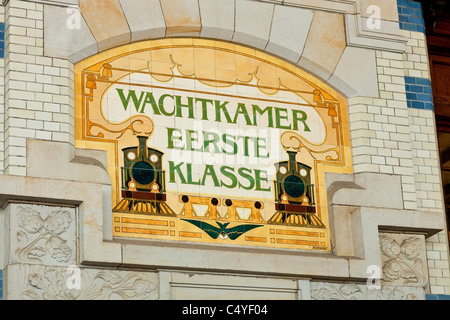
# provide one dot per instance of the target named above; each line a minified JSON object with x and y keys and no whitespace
{"x":142,"y":146}
{"x":292,"y":161}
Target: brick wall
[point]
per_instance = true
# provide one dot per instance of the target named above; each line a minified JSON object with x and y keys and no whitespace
{"x":410,"y":15}
{"x":2,"y":89}
{"x":425,"y":157}
{"x":1,"y":284}
{"x":40,"y":102}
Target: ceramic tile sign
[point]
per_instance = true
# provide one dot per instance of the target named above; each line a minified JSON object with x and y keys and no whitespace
{"x":212,"y":142}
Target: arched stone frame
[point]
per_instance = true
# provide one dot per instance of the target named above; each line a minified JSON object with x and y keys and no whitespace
{"x":365,"y":58}
{"x":319,"y":37}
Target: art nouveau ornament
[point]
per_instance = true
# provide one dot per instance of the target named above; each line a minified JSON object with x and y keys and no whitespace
{"x":207,"y":137}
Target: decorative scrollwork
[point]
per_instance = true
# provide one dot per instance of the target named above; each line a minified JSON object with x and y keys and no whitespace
{"x":291,"y":140}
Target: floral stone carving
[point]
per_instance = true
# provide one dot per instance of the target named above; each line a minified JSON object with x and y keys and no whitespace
{"x":348,"y":291}
{"x":59,"y":283}
{"x":403,"y":260}
{"x":44,"y":235}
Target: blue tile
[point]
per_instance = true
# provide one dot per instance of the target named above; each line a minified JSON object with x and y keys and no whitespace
{"x":423,"y":81}
{"x":416,"y":20}
{"x":410,"y":16}
{"x":431,"y":297}
{"x":429,"y":106}
{"x":419,"y":93}
{"x":415,"y":4}
{"x":408,"y":11}
{"x":410,"y":80}
{"x":403,"y":18}
{"x":409,"y":27}
{"x":418,"y":105}
{"x":424,"y":97}
{"x":416,"y":88}
{"x":402,"y":3}
{"x":411,"y":96}
{"x":443,"y":297}
{"x":421,"y":29}
{"x":2,"y":39}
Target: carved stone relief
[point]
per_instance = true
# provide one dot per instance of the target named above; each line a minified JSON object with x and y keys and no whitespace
{"x":32,"y":282}
{"x":403,"y":258}
{"x":42,"y":234}
{"x":339,"y":291}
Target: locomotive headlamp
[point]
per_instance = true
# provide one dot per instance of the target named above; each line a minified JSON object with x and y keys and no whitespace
{"x":132,"y":185}
{"x":303,"y":172}
{"x":154,"y":158}
{"x":282,"y":170}
{"x":131,"y":156}
{"x":155,"y":187}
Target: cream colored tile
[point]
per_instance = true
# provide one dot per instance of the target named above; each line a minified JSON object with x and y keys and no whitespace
{"x":252,"y":24}
{"x":325,"y":44}
{"x":107,"y":22}
{"x":217,"y":18}
{"x":290,"y":27}
{"x":62,"y":41}
{"x":182,"y":17}
{"x":356,"y":73}
{"x":145,"y":19}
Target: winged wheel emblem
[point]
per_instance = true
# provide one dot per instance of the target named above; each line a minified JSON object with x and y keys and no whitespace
{"x":222,"y":231}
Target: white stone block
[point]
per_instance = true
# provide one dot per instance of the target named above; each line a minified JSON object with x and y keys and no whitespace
{"x":16,"y":171}
{"x":73,"y":283}
{"x":325,"y":45}
{"x":22,"y":22}
{"x":145,"y":19}
{"x":217,"y":18}
{"x":252,"y":23}
{"x":37,"y":15}
{"x":290,"y":28}
{"x":72,"y":41}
